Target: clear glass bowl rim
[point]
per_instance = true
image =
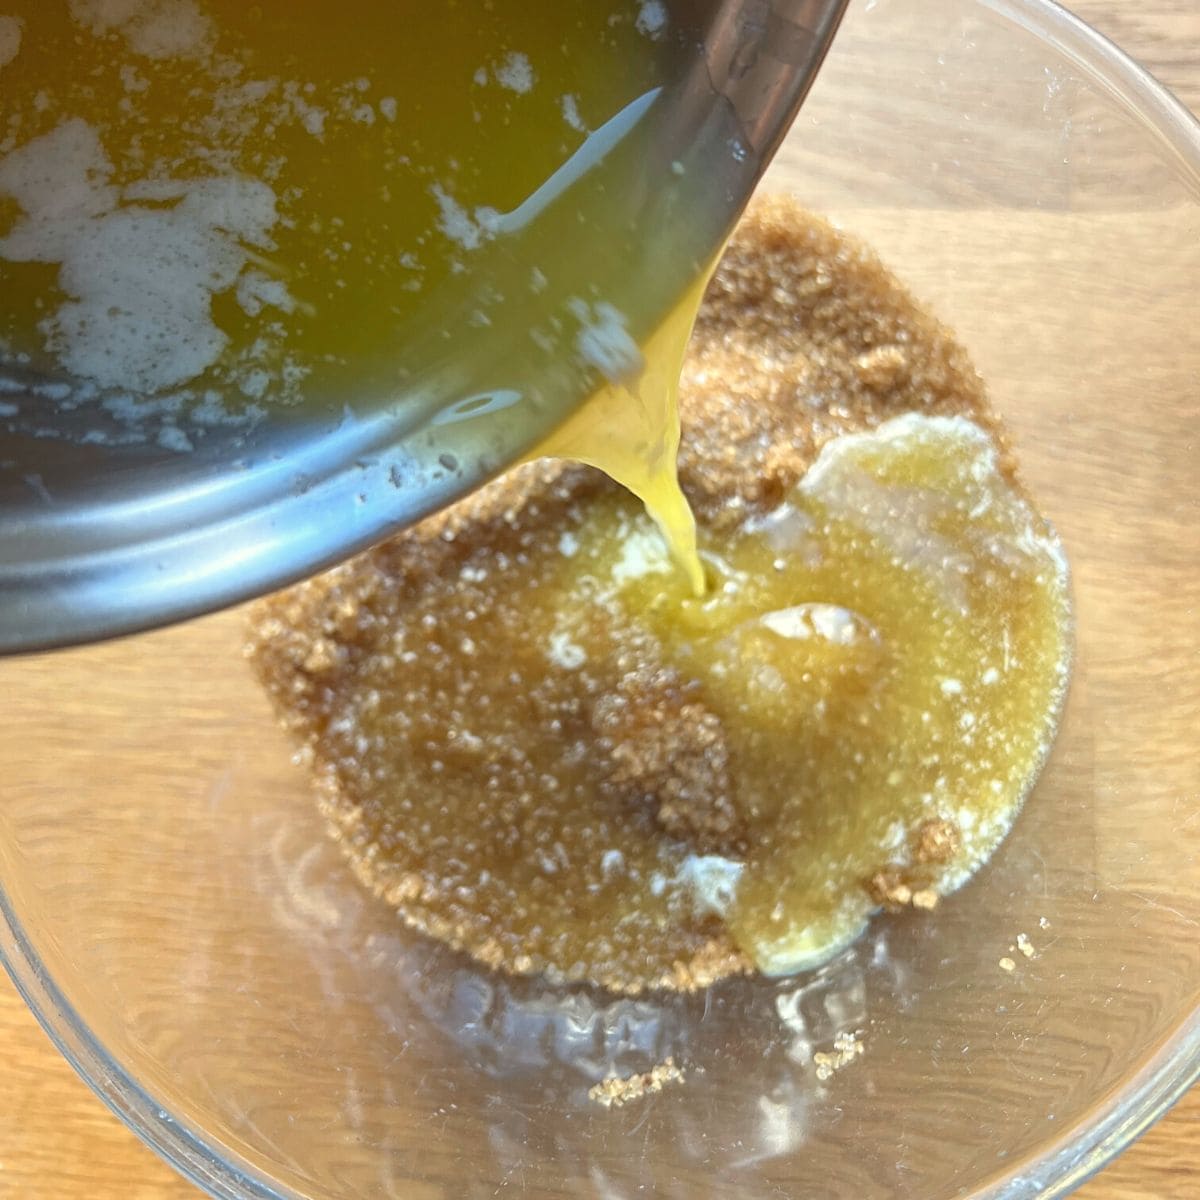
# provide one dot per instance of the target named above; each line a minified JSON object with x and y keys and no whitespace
{"x":1058,"y":1169}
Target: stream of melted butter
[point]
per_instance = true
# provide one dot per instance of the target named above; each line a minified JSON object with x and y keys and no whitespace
{"x":630,"y":431}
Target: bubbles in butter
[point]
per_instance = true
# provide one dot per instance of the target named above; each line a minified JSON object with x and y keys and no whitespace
{"x":139,"y":278}
{"x":10,"y":39}
{"x":152,"y":28}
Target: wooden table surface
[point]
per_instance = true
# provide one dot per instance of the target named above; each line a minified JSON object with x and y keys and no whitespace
{"x":58,"y":1142}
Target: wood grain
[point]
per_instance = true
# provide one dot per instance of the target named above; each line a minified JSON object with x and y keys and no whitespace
{"x":1163,"y":35}
{"x":58,"y":1142}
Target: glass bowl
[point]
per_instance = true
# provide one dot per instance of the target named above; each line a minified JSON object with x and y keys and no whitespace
{"x":175,"y":916}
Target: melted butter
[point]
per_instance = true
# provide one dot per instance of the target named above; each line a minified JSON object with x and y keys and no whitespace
{"x":918,"y":553}
{"x":886,"y":649}
{"x":630,"y":431}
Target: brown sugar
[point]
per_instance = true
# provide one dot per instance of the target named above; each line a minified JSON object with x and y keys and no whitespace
{"x":887,"y":887}
{"x":669,"y":754}
{"x":540,"y":748}
{"x":936,"y":841}
{"x":796,"y":327}
{"x":846,"y":1048}
{"x":617,"y":1091}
